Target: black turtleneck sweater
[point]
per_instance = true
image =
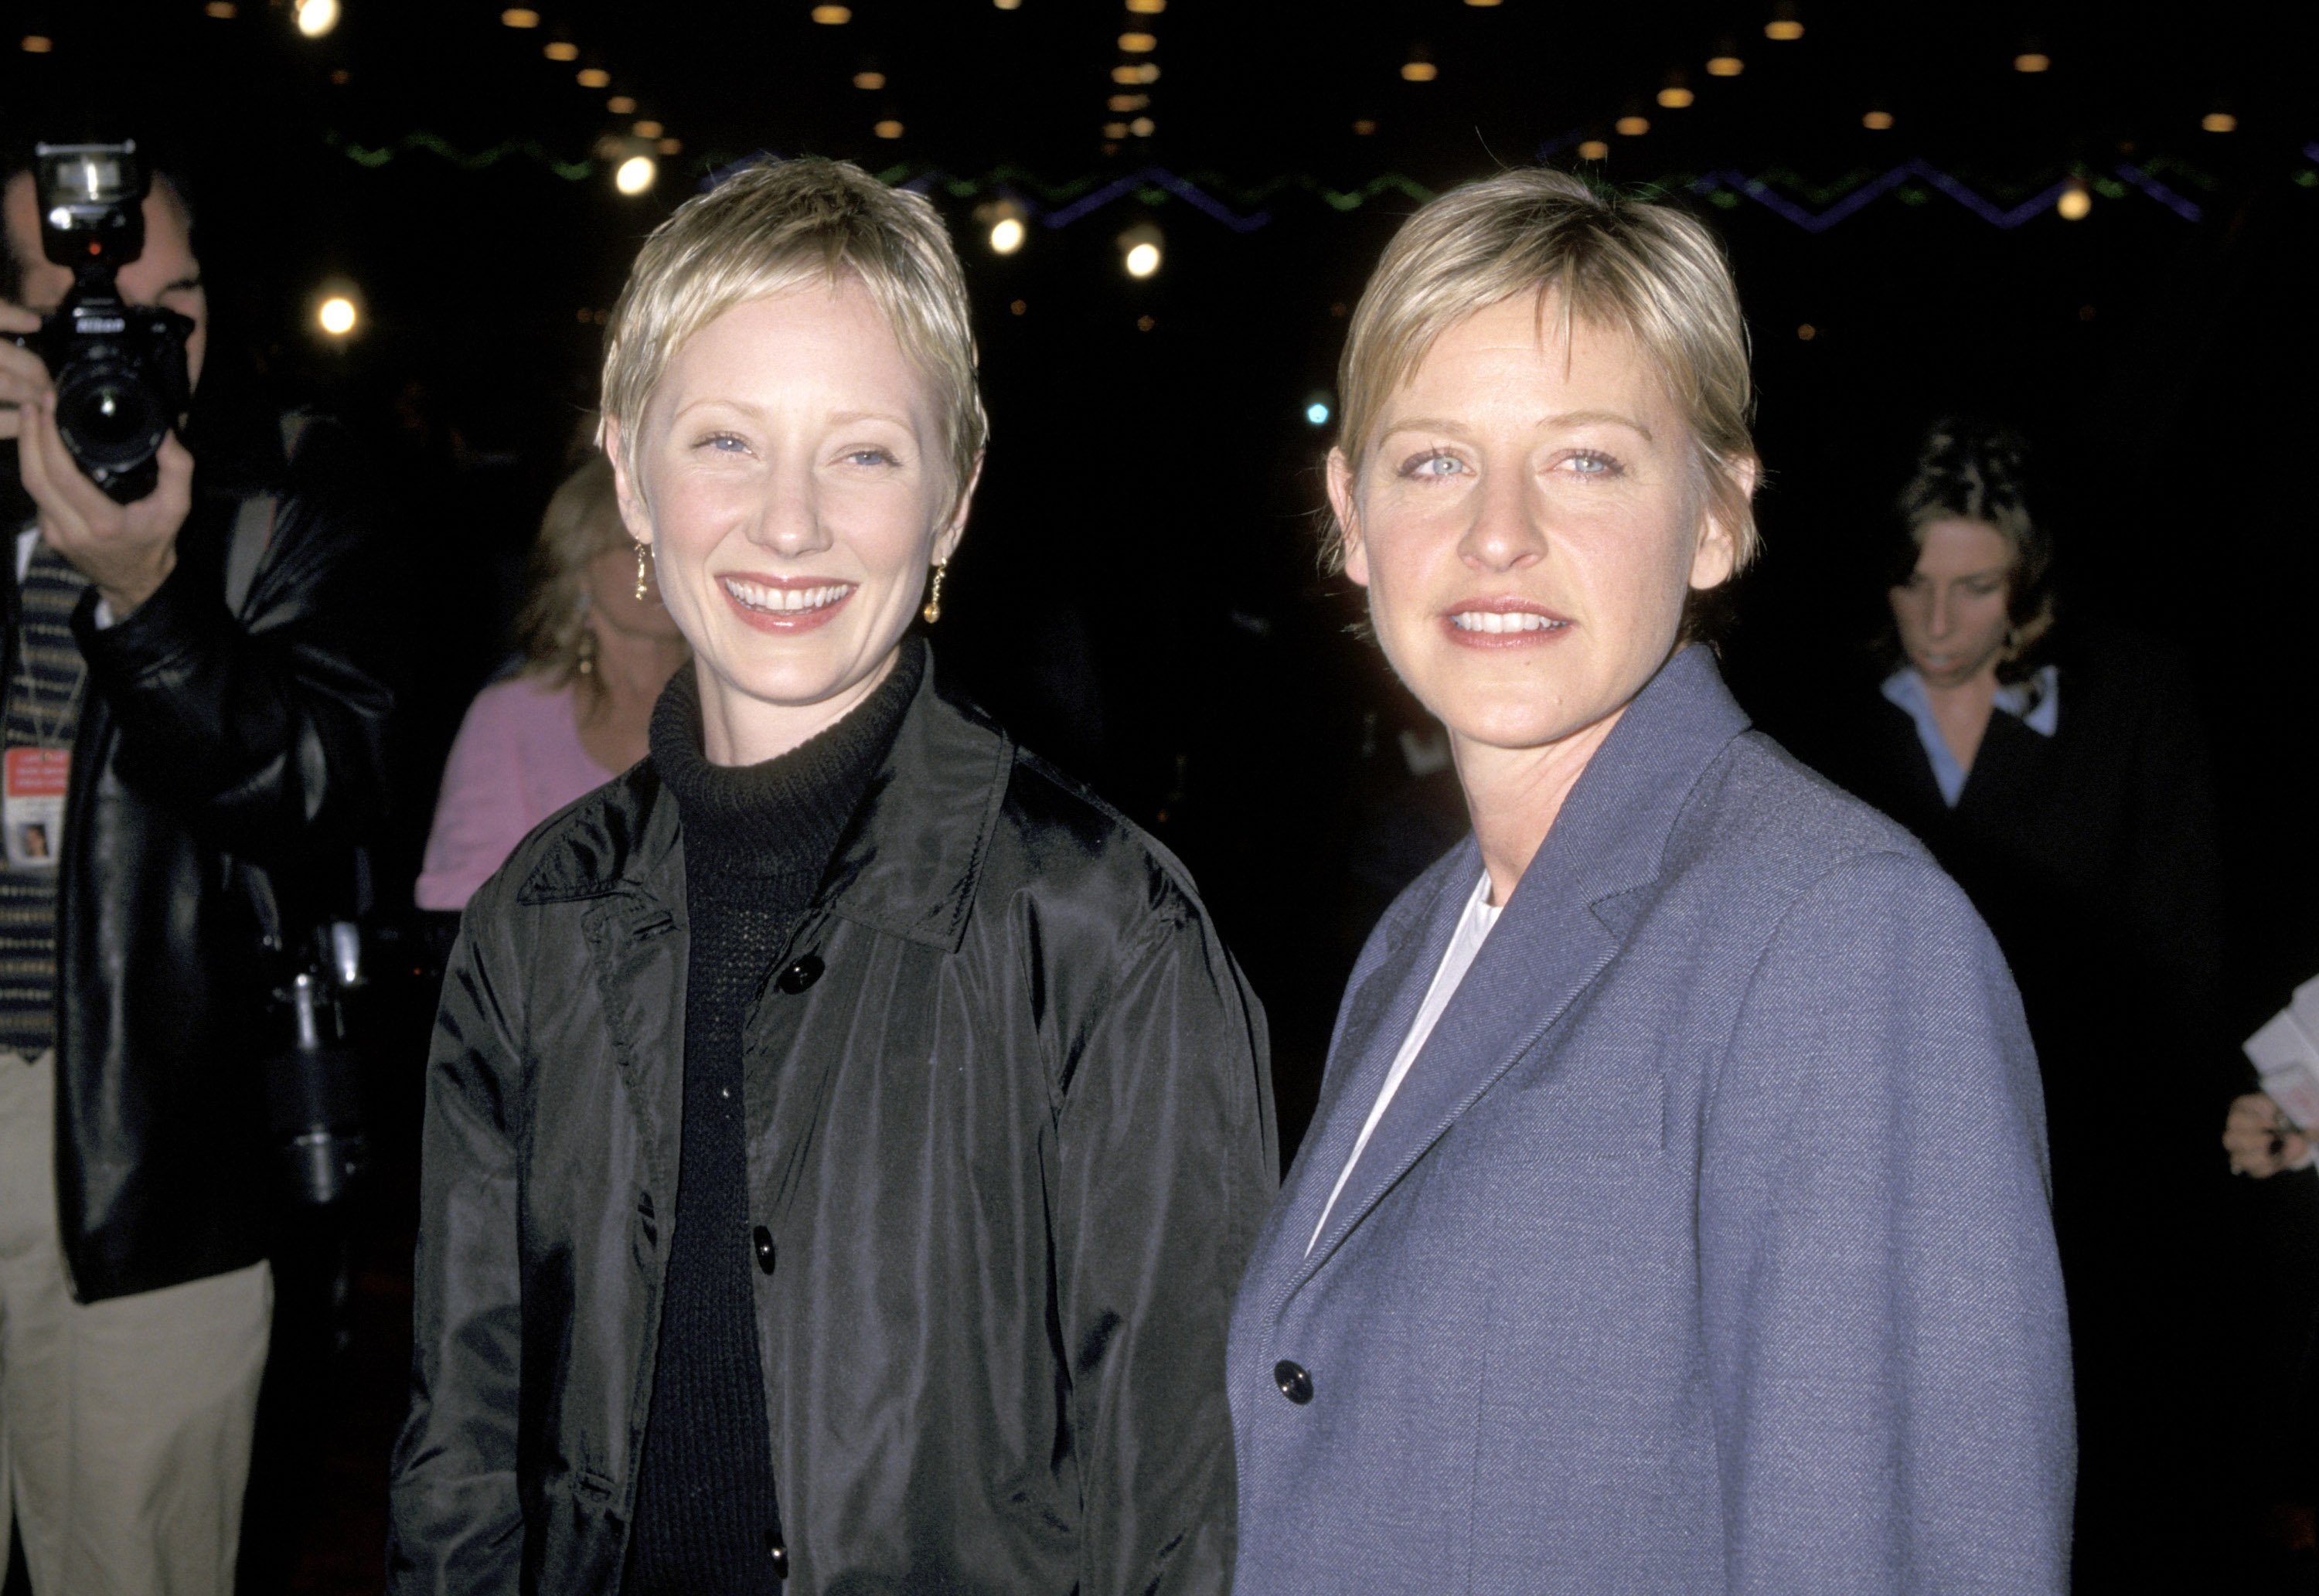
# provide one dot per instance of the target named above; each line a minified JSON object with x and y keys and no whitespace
{"x":756,"y":841}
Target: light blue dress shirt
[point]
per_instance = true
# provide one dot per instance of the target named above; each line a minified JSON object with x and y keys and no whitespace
{"x":2035,"y":703}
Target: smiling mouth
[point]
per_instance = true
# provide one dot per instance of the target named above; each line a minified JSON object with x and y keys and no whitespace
{"x":1497,"y":620}
{"x":767,"y":600}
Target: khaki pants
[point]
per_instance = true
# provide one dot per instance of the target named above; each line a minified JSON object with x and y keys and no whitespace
{"x":124,"y":1425}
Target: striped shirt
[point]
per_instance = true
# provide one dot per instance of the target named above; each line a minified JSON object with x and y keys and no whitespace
{"x":43,"y":711}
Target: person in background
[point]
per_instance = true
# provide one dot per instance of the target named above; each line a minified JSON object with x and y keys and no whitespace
{"x":598,"y":645}
{"x":2055,"y":766}
{"x":198,"y":685}
{"x":844,"y":1133}
{"x":1673,"y":1217}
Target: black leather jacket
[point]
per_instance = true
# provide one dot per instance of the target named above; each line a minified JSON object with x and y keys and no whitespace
{"x":1010,"y":1140}
{"x":211,"y":743}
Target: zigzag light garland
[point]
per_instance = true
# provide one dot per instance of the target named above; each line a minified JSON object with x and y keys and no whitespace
{"x":1781,"y":191}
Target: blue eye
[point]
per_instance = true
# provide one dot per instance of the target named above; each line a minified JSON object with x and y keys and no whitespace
{"x":724,"y":443}
{"x":1433,"y":464}
{"x":1594,"y":465}
{"x":869,"y":457}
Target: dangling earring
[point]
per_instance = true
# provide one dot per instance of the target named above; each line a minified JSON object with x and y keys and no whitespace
{"x":933,"y":611}
{"x":586,"y":648}
{"x":643,"y":586}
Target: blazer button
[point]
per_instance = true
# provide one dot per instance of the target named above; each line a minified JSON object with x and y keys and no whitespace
{"x":779,"y":1552}
{"x":1294,"y":1383}
{"x":800,"y":975}
{"x":763,"y":1239}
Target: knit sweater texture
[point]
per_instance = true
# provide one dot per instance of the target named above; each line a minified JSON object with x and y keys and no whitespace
{"x":757,"y":838}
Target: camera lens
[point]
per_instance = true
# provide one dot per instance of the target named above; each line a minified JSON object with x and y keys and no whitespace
{"x":111,"y":420}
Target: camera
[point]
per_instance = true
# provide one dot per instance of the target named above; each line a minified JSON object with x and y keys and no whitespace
{"x":120,"y":369}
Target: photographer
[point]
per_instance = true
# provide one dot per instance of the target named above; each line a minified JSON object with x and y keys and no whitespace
{"x":194,"y":724}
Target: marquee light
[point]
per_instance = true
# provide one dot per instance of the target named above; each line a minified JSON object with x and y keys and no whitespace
{"x":1139,"y":250}
{"x":635,"y":175}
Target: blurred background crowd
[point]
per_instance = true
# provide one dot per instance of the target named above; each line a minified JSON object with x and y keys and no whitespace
{"x":2082,"y":244}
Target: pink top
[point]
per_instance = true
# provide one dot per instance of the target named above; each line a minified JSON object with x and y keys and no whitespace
{"x":517,"y":759}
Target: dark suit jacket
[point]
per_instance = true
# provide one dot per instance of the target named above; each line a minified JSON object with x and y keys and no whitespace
{"x":2092,"y":856}
{"x":1705,"y":1247}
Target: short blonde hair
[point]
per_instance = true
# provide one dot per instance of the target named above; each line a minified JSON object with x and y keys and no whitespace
{"x":776,"y":226}
{"x":1647,"y":270}
{"x":582,"y":522}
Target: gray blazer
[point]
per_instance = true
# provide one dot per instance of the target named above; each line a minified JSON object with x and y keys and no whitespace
{"x":1705,"y":1247}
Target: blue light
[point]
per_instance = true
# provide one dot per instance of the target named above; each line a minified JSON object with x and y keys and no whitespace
{"x":1317,"y":413}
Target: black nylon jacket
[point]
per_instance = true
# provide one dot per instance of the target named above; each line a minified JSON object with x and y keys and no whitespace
{"x":1010,"y":1139}
{"x":211,"y":741}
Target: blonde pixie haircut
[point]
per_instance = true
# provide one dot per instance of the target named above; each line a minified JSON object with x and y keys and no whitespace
{"x":779,"y":225}
{"x":1619,"y":265}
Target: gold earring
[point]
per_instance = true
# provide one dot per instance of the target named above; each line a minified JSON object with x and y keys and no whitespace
{"x":933,"y":611}
{"x":643,"y":586}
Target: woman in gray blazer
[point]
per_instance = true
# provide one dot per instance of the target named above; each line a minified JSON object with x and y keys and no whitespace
{"x":1674,"y":1217}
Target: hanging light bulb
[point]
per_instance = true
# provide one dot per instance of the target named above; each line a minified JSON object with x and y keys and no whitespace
{"x":635,"y":175}
{"x":2077,"y":202}
{"x":1139,"y":250}
{"x":317,"y":17}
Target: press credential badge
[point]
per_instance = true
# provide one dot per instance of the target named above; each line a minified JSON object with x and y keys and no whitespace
{"x":33,"y":806}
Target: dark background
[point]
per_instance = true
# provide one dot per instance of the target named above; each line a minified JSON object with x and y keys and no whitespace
{"x":1138,"y":595}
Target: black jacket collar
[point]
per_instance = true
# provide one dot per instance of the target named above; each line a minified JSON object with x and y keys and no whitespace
{"x":907,"y":864}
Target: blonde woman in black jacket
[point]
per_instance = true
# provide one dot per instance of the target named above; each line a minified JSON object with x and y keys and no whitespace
{"x":844,"y":1133}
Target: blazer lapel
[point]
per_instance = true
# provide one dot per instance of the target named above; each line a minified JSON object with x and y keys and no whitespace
{"x":1388,"y":984}
{"x":1556,"y":934}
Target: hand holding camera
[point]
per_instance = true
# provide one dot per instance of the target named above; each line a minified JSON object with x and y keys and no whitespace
{"x":99,"y":384}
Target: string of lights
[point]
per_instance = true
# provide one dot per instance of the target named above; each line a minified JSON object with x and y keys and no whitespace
{"x":631,"y":150}
{"x":1018,"y":198}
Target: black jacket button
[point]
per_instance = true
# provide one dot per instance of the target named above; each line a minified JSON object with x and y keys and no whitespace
{"x":800,"y":975}
{"x":779,"y":1552}
{"x":764,"y":1239}
{"x":1294,"y":1383}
